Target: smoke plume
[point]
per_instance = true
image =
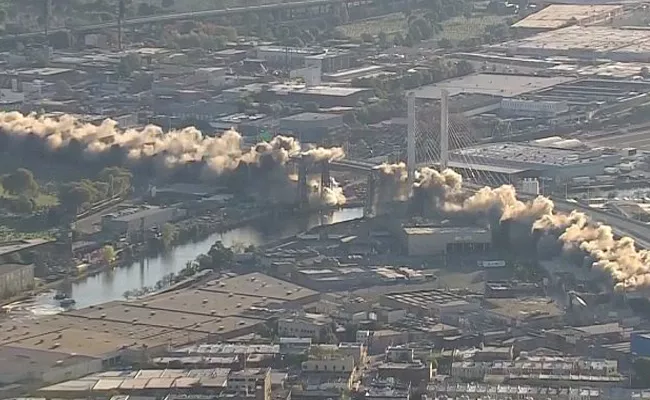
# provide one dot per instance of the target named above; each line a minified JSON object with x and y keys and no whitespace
{"x":628,"y":267}
{"x":263,"y":163}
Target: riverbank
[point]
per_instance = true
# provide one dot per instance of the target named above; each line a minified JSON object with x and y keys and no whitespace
{"x":140,"y":251}
{"x":111,"y":284}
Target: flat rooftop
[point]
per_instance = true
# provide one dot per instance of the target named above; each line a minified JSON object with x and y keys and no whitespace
{"x":581,"y":40}
{"x":131,"y":381}
{"x":558,"y":15}
{"x":309,"y":116}
{"x":424,"y":298}
{"x":527,"y":155}
{"x":444,"y":230}
{"x":19,"y":245}
{"x":525,"y":308}
{"x":260,"y":286}
{"x":497,"y":85}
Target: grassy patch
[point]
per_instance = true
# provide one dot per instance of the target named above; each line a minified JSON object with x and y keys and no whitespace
{"x":454,"y":29}
{"x":42,"y":200}
{"x":461,"y":28}
{"x":389,"y":24}
{"x":7,"y":234}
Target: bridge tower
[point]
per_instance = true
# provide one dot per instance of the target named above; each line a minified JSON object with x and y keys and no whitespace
{"x":444,"y":129}
{"x":410,"y":138}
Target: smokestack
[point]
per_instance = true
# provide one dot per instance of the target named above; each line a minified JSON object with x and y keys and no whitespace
{"x":410,"y":138}
{"x":120,"y":17}
{"x":47,"y":4}
{"x":325,"y":178}
{"x":444,"y":129}
{"x":303,"y":188}
{"x":369,"y":206}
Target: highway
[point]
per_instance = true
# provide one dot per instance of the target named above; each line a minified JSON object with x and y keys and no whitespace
{"x":180,"y":16}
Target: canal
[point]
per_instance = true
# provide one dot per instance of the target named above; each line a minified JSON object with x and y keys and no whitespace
{"x":110,"y":285}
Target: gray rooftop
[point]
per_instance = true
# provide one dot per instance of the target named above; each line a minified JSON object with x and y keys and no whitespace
{"x":498,"y":85}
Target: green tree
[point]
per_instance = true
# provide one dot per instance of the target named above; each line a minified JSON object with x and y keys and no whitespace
{"x":20,"y":182}
{"x":169,"y":234}
{"x":118,"y":179}
{"x":73,"y":196}
{"x":108,"y":254}
{"x":221,"y":255}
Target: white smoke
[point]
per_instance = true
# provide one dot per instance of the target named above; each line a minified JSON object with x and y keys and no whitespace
{"x":220,"y":154}
{"x":628,"y":267}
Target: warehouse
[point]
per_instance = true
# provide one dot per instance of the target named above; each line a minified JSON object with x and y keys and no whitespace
{"x":435,"y":240}
{"x":311,"y":127}
{"x":559,"y":164}
{"x":133,"y":220}
{"x":558,"y":16}
{"x":583,"y":42}
{"x":15,"y":278}
{"x":428,"y":302}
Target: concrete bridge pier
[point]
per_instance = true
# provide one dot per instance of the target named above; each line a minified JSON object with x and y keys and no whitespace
{"x":369,"y":205}
{"x":303,"y":189}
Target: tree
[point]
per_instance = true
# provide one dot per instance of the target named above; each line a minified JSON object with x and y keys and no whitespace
{"x":20,"y":182}
{"x":118,"y":179}
{"x":221,"y":255}
{"x":169,"y":234}
{"x":128,"y":64}
{"x":108,"y":254}
{"x":464,"y":67}
{"x":73,"y":196}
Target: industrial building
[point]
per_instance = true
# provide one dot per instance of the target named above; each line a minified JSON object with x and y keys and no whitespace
{"x":557,"y":16}
{"x":428,"y":302}
{"x":558,"y":161}
{"x":134,"y":220}
{"x":329,"y":60}
{"x":87,"y":340}
{"x":584,"y":42}
{"x":311,"y":127}
{"x":532,"y":108}
{"x":435,"y":240}
{"x":15,"y":279}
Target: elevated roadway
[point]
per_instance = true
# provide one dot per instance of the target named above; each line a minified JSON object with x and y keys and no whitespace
{"x":192,"y":15}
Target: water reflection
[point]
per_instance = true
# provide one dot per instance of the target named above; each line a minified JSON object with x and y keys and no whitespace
{"x":111,"y":285}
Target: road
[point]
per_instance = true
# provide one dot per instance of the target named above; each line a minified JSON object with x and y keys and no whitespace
{"x":639,"y":140}
{"x":180,"y":16}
